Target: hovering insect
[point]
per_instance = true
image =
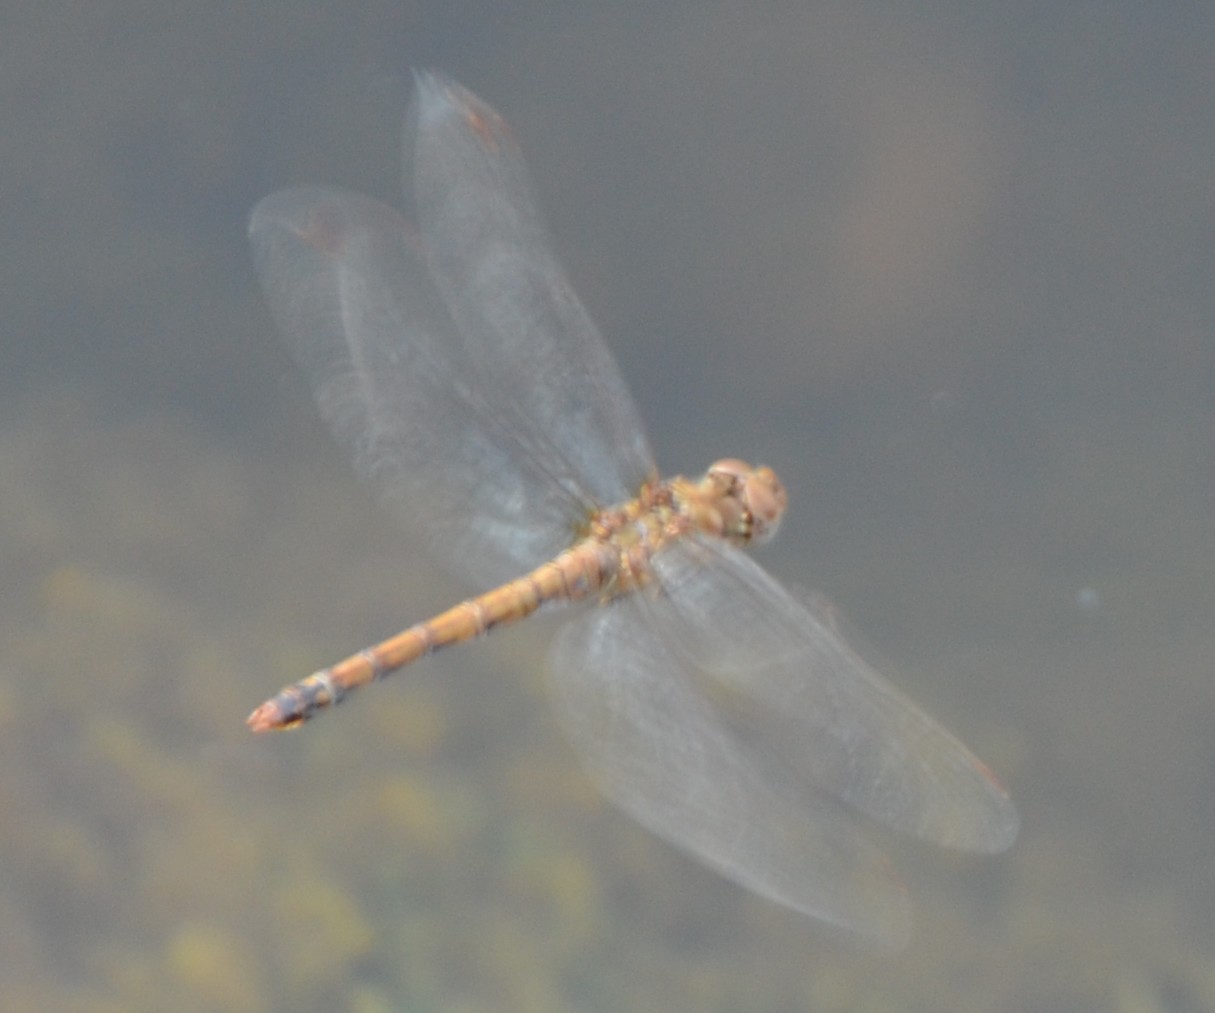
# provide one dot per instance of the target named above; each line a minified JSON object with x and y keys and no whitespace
{"x":454,"y":360}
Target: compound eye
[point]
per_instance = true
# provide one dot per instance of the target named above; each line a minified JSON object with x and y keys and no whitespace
{"x":764,"y":495}
{"x":758,"y":491}
{"x":732,"y":468}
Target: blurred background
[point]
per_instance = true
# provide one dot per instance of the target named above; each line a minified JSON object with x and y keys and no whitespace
{"x":948,"y":270}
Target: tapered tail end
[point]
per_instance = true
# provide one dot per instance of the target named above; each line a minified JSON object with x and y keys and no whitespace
{"x":269,"y":718}
{"x":292,"y":706}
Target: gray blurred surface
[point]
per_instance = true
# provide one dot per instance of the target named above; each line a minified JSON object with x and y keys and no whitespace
{"x":949,"y":274}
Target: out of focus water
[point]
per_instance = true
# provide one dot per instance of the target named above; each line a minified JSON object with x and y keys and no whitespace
{"x":950,"y":275}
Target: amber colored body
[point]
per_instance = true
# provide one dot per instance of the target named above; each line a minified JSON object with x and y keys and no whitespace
{"x":732,"y":501}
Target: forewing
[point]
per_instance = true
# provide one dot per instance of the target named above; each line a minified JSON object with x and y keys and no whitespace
{"x":787,"y":679}
{"x":524,"y":339}
{"x":656,"y":744}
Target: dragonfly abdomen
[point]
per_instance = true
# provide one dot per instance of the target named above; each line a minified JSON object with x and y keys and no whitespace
{"x":577,"y":573}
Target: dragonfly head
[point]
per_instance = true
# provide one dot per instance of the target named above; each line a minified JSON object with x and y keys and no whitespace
{"x":757,"y":498}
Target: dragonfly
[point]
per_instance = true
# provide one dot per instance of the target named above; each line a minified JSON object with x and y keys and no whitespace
{"x":449,"y":354}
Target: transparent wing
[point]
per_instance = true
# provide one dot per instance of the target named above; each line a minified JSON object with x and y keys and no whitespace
{"x":791,"y":682}
{"x":730,"y":720}
{"x":659,"y":746}
{"x":454,"y":361}
{"x":526,"y":336}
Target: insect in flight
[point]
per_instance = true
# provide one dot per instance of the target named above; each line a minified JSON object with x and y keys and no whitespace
{"x":451,"y":356}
